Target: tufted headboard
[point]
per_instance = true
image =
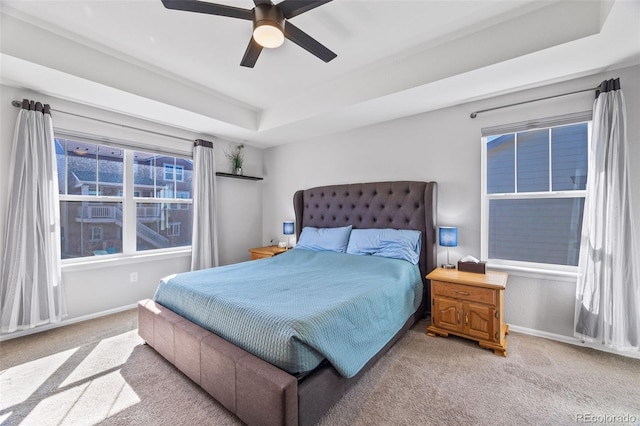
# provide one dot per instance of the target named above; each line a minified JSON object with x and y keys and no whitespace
{"x":395,"y":204}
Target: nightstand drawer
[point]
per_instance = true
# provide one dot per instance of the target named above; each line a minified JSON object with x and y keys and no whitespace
{"x":464,"y":292}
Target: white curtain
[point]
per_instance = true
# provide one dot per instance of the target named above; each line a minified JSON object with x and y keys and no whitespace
{"x":204,"y":241}
{"x":31,"y":285}
{"x":608,"y":288}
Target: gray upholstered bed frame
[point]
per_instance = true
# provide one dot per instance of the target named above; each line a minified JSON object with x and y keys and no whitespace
{"x":256,"y":391}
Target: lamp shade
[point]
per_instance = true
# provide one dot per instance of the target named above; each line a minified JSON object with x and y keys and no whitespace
{"x":448,"y":236}
{"x":268,"y":36}
{"x":288,"y":228}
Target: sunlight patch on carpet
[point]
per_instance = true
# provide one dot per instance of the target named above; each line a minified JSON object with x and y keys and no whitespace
{"x":86,"y":404}
{"x":5,"y":417}
{"x":108,"y":354}
{"x":19,"y":383}
{"x":79,"y":386}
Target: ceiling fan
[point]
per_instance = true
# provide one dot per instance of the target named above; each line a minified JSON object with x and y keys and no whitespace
{"x":270,"y":24}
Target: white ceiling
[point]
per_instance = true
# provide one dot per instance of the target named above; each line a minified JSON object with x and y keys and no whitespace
{"x":395,"y":58}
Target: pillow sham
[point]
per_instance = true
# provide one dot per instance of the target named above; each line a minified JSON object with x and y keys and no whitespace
{"x":394,"y":243}
{"x":324,"y":239}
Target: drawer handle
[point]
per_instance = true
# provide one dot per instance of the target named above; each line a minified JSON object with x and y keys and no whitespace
{"x":458,"y":317}
{"x":464,"y":293}
{"x":466,"y":318}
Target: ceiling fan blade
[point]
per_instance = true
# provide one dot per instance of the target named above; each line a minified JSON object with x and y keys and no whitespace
{"x":307,"y":42}
{"x":209,"y":8}
{"x":292,"y":8}
{"x":251,"y":54}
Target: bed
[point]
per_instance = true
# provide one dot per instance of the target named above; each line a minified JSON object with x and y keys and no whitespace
{"x":257,"y":391}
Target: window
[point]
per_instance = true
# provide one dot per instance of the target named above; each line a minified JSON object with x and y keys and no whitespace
{"x":174,"y":229}
{"x":173,"y":172}
{"x":96,"y":233}
{"x":533,"y":194}
{"x":164,"y":201}
{"x":101,"y":212}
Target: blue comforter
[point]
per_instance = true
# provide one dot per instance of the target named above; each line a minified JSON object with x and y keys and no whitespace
{"x":295,"y":309}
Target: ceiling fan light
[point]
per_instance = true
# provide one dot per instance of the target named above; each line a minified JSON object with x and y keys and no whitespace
{"x":268,"y":25}
{"x":268,"y":36}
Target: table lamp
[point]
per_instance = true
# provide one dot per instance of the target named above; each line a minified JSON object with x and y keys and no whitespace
{"x":448,"y":238}
{"x":288,"y":229}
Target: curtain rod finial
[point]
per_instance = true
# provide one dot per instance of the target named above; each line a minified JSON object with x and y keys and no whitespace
{"x":473,"y":115}
{"x":16,"y":104}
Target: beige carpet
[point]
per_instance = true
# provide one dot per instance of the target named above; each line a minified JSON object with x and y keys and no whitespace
{"x":98,"y":372}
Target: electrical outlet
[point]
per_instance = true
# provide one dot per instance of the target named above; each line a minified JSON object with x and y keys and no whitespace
{"x":133,"y":277}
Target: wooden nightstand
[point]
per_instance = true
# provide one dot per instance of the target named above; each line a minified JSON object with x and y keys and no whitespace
{"x":469,"y":305}
{"x":262,"y":252}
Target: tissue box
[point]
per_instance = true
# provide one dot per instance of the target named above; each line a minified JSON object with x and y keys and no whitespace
{"x":479,"y":267}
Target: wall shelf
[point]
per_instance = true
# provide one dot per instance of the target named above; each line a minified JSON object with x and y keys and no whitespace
{"x":229,"y":175}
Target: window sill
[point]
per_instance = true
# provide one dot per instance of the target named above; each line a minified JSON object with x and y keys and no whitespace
{"x":117,"y":260}
{"x":536,"y":272}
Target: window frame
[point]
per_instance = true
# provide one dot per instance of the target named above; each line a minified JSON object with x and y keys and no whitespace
{"x":519,"y":265}
{"x":128,"y":198}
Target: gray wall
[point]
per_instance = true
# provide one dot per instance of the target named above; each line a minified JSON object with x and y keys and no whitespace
{"x":445,"y":146}
{"x":442,"y":145}
{"x":104,"y":286}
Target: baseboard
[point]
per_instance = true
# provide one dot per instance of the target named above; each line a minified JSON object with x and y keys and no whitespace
{"x":62,"y":323}
{"x":571,"y":340}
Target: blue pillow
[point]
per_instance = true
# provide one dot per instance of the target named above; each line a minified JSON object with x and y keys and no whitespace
{"x":394,"y":243}
{"x":324,"y":239}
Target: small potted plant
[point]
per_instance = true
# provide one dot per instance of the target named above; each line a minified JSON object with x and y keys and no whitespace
{"x":236,"y":156}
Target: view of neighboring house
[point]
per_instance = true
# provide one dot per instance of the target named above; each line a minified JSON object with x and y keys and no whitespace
{"x":535,"y":188}
{"x":90,"y":178}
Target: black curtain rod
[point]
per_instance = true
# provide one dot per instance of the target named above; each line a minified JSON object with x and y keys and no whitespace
{"x":18,"y":104}
{"x":475,"y":113}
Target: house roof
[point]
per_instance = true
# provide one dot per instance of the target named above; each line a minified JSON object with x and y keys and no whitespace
{"x":105,"y":178}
